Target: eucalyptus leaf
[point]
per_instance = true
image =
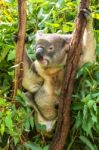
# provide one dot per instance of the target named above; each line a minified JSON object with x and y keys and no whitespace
{"x":31,"y":146}
{"x":87,"y":142}
{"x":8,"y":122}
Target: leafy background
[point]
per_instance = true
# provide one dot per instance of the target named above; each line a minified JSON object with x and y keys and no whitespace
{"x":17,"y":127}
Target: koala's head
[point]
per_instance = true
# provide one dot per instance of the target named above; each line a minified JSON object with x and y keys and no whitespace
{"x":51,"y":49}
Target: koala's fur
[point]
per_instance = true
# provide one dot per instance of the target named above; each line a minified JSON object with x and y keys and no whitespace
{"x":43,"y":77}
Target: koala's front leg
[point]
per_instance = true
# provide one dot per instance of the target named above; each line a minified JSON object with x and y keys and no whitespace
{"x":89,"y":42}
{"x":31,"y":79}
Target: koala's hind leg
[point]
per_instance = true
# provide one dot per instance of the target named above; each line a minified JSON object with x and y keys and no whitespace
{"x":30,"y":98}
{"x":89,"y":42}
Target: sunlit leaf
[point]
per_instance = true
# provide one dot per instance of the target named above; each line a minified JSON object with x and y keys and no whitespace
{"x":11,"y":55}
{"x":52,"y":24}
{"x":2,"y":129}
{"x":95,"y":15}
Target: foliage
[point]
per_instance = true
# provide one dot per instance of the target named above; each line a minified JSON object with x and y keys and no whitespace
{"x":17,"y":129}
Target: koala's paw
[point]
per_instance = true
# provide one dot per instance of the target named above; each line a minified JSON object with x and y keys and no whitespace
{"x":87,"y":14}
{"x":16,"y":38}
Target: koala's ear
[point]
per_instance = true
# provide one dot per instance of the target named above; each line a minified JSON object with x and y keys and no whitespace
{"x":39,"y":34}
{"x":67,"y":37}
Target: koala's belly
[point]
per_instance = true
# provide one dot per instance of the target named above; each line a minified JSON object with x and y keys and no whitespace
{"x":46,"y":103}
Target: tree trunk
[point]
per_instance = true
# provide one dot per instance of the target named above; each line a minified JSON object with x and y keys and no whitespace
{"x":20,"y":45}
{"x":72,"y":61}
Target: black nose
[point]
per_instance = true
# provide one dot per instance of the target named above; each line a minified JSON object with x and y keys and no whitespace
{"x":39,"y":53}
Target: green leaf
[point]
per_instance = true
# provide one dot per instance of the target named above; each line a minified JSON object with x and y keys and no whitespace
{"x":11,"y":55}
{"x":31,"y":120}
{"x":46,"y":147}
{"x":52,"y":24}
{"x":85,"y":112}
{"x":97,"y":74}
{"x":95,"y":15}
{"x":3,"y":54}
{"x":87,"y":124}
{"x":90,"y":104}
{"x":27,"y":125}
{"x":31,"y":146}
{"x":86,"y":99}
{"x":60,"y":3}
{"x":2,"y":129}
{"x":78,"y":120}
{"x":21,"y":97}
{"x":2,"y":102}
{"x":8,"y":122}
{"x":87,"y":142}
{"x":77,"y":105}
{"x":38,"y":1}
{"x":16,"y":139}
{"x":94,"y":117}
{"x":1,"y":114}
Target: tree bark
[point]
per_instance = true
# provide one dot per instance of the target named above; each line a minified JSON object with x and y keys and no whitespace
{"x":20,"y":45}
{"x":72,"y":61}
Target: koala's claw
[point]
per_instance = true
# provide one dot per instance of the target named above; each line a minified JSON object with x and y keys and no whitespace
{"x":87,"y":13}
{"x":16,"y":38}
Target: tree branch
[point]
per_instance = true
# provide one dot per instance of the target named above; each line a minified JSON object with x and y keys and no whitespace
{"x":20,"y":45}
{"x":63,"y":124}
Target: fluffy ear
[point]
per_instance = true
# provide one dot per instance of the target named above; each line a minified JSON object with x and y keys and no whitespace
{"x":39,"y":34}
{"x":67,"y":37}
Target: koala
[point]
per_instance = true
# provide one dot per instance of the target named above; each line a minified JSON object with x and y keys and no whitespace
{"x":40,"y":77}
{"x":41,"y":91}
{"x":43,"y":77}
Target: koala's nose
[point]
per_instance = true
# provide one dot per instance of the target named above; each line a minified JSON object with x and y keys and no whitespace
{"x":39,"y":53}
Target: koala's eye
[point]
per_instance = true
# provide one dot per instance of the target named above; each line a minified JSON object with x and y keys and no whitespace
{"x":51,"y":48}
